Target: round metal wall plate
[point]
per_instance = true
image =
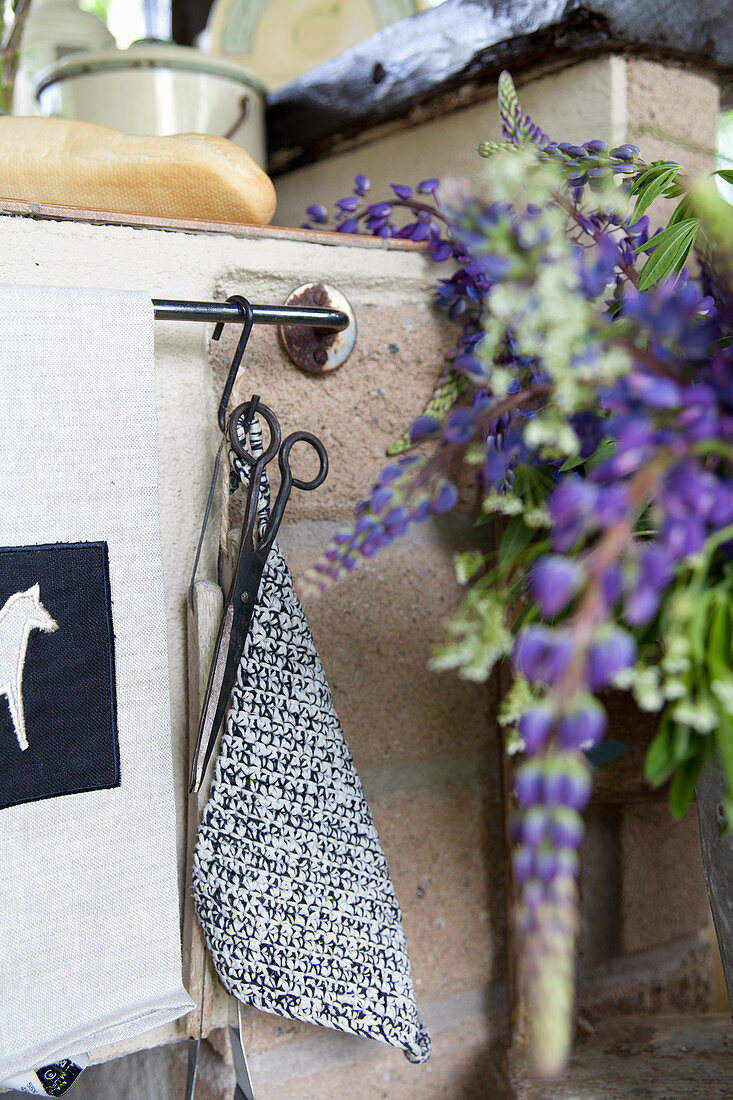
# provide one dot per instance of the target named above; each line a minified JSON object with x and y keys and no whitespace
{"x":316,"y":350}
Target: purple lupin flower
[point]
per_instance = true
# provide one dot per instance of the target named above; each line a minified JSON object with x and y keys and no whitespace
{"x":550,"y":832}
{"x":612,"y":651}
{"x":444,"y":498}
{"x":612,"y":505}
{"x":317,"y":213}
{"x":529,"y":783}
{"x":612,"y":584}
{"x":566,"y":827}
{"x":522,"y":864}
{"x":459,"y":427}
{"x":440,"y":251}
{"x":581,"y":726}
{"x":626,"y":153}
{"x":380,"y":209}
{"x":571,"y":506}
{"x":683,"y":536}
{"x":546,"y":864}
{"x":350,"y":225}
{"x":576,"y":781}
{"x":534,"y":826}
{"x":401,"y":190}
{"x":655,"y":574}
{"x":494,"y":469}
{"x":535,"y":727}
{"x":553,"y":582}
{"x":542,"y":654}
{"x":423,"y":428}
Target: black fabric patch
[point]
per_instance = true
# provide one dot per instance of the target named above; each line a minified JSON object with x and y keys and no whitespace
{"x":68,"y":713}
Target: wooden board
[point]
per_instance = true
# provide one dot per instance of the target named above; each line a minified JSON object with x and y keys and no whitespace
{"x":199,"y":975}
{"x":50,"y":212}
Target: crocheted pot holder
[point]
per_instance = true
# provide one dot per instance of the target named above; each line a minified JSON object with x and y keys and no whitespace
{"x":292,"y":888}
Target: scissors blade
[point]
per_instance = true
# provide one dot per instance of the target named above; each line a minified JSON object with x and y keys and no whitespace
{"x":222,"y":678}
{"x":245,"y":1089}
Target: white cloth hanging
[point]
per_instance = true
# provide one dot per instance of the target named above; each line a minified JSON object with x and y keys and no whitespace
{"x":90,"y":944}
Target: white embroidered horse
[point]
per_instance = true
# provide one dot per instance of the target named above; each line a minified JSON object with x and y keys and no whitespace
{"x":21,"y":613}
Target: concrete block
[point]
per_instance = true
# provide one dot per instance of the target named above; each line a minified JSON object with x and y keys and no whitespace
{"x":644,"y":944}
{"x":215,"y":1077}
{"x":663,"y":890}
{"x":375,"y":632}
{"x":463,"y":1066}
{"x":600,"y":888}
{"x":469,"y":1035}
{"x":640,"y":1058}
{"x":445,"y":853}
{"x":357,"y":410}
{"x":672,"y":112}
{"x":196,"y":265}
{"x":623,"y":779}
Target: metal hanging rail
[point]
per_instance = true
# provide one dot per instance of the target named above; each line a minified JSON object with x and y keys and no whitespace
{"x":227,"y":312}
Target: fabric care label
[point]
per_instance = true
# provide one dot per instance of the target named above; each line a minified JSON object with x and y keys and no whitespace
{"x":58,"y":720}
{"x":52,"y":1080}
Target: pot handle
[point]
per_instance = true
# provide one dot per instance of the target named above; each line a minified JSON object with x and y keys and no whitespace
{"x":243,"y":114}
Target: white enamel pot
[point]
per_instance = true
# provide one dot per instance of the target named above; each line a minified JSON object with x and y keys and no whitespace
{"x":159,"y":89}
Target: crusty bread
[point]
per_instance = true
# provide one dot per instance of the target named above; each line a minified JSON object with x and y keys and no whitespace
{"x":187,"y":176}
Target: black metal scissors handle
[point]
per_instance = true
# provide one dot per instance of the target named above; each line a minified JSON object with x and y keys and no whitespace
{"x":253,"y":552}
{"x":238,"y":426}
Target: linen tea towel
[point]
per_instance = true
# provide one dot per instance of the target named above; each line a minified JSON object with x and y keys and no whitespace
{"x":291,"y":885}
{"x":90,"y":945}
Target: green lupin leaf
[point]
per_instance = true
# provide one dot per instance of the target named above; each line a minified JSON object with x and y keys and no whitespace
{"x":660,"y":176}
{"x":725,"y":174}
{"x":720,"y":638}
{"x":672,"y":248}
{"x":682,"y":788}
{"x":660,"y":762}
{"x":516,"y":537}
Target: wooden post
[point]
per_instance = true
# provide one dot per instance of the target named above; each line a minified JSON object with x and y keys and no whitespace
{"x":199,"y":974}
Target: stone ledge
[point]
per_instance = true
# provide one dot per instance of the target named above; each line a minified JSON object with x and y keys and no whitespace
{"x":674,"y":977}
{"x":642,"y":1058}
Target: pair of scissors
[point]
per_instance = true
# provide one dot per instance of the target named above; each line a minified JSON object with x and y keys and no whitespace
{"x":257,"y":539}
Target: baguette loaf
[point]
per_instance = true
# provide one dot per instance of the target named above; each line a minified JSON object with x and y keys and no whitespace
{"x":187,"y":176}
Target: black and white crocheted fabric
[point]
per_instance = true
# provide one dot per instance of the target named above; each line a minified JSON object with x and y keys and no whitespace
{"x":291,"y":885}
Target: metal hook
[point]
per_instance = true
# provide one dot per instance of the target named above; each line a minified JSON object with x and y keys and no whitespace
{"x":247,"y":322}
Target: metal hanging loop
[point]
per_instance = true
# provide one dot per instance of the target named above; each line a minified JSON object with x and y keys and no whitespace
{"x":247,"y":322}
